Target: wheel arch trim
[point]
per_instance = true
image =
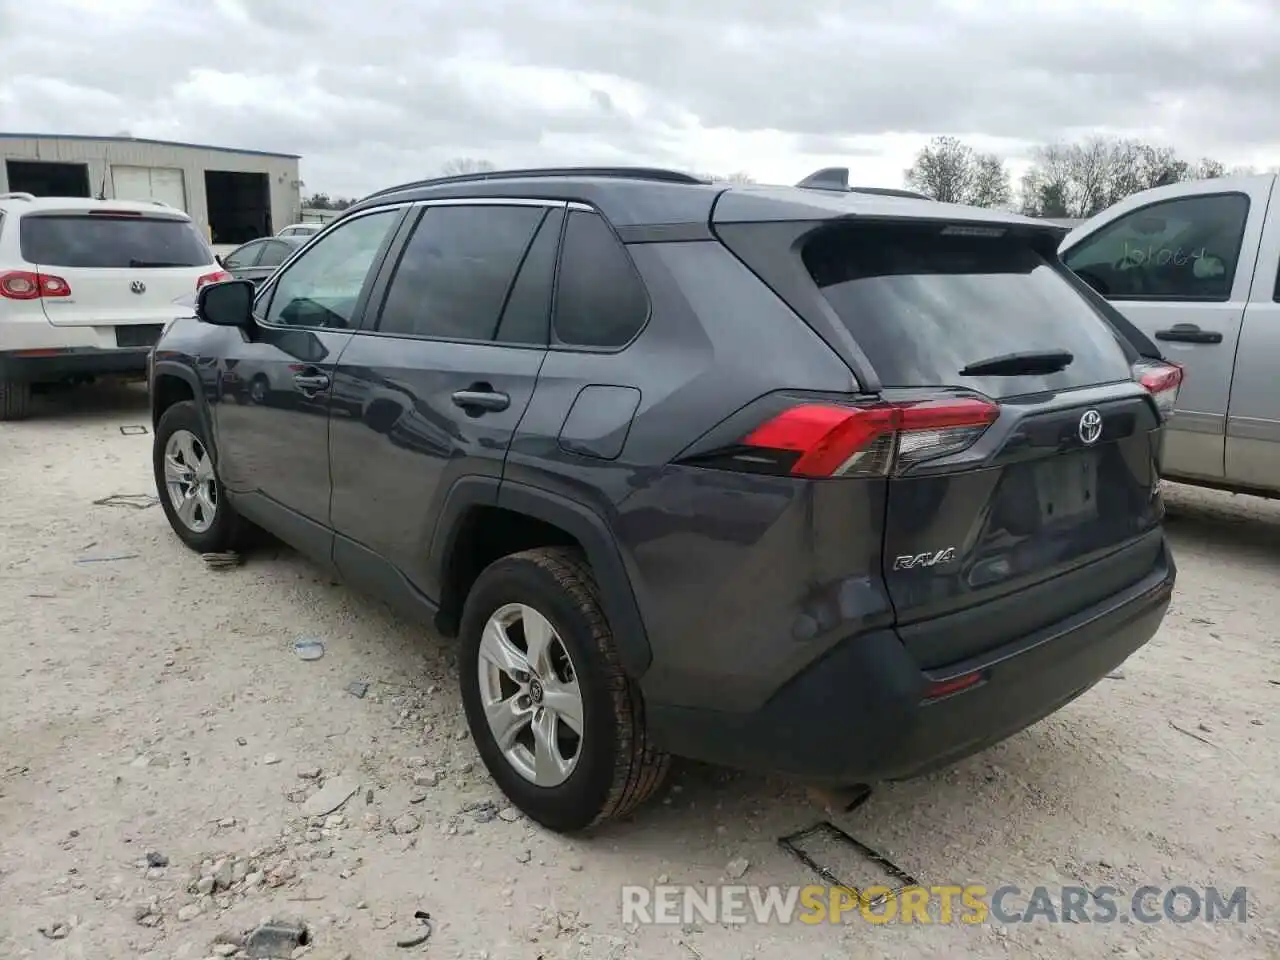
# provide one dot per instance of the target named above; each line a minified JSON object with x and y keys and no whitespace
{"x":582,"y":523}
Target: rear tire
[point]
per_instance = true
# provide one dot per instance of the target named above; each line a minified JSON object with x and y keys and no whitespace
{"x":615,"y":767}
{"x":206,"y":522}
{"x":15,"y":399}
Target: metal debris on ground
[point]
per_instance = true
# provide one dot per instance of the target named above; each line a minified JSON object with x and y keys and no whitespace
{"x":134,"y":430}
{"x":1192,"y":735}
{"x":276,"y":938}
{"x":358,"y":688}
{"x":55,"y":931}
{"x":419,"y":936}
{"x":139,"y":501}
{"x":308,"y":648}
{"x":829,"y":831}
{"x":121,"y":556}
{"x":222,"y":561}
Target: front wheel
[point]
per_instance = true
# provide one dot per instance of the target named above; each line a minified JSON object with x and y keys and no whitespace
{"x":188,"y":485}
{"x":557,"y":723}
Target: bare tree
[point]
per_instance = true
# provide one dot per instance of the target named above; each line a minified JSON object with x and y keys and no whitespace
{"x":1080,"y":179}
{"x":461,"y":165}
{"x":990,"y":182}
{"x":953,"y":172}
{"x":1208,"y":169}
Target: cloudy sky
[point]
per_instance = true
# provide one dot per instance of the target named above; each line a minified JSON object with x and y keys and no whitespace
{"x":371,"y":92}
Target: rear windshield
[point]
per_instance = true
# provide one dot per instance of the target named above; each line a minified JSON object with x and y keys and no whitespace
{"x":923,"y":305}
{"x":84,"y":240}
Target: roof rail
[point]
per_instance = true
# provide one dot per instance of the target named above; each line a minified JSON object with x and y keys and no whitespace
{"x":890,"y":192}
{"x":655,"y":174}
{"x":17,"y":195}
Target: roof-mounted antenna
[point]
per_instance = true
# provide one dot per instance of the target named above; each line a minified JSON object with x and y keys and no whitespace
{"x":829,"y":178}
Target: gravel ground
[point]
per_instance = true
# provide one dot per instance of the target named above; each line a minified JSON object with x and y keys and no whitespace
{"x":160,"y":739}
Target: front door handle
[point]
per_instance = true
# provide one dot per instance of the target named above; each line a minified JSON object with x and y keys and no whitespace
{"x":481,"y":400}
{"x":313,"y":382}
{"x":1188,"y":333}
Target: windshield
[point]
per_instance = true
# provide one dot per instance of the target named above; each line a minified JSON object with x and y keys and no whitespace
{"x":923,"y":305}
{"x":95,"y":240}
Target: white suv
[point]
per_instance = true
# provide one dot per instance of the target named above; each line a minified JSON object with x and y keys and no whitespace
{"x":86,"y":287}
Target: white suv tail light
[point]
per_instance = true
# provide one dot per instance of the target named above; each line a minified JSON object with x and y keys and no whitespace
{"x":1162,"y":380}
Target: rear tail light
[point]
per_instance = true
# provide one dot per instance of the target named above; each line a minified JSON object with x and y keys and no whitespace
{"x":832,"y":440}
{"x":1162,"y":380}
{"x":29,"y":285}
{"x":216,"y":277}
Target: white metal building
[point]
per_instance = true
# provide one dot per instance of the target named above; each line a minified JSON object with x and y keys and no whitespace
{"x":234,"y":195}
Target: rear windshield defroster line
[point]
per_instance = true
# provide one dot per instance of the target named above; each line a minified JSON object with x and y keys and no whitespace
{"x":90,"y":241}
{"x":924,"y":305}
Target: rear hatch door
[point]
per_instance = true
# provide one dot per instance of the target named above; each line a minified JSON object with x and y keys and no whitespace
{"x":1051,"y":505}
{"x":120,"y":267}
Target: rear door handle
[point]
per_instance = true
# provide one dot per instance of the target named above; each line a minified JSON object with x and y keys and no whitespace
{"x":311,"y":381}
{"x":490,"y":401}
{"x":1188,"y":333}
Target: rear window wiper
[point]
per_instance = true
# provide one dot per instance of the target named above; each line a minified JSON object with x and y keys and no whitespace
{"x":1030,"y":363}
{"x":157,"y":263}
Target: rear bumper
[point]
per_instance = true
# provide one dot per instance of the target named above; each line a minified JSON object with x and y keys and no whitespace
{"x":857,"y":716}
{"x":84,"y":361}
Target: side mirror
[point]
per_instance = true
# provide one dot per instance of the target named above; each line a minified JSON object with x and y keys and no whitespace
{"x":226,"y":304}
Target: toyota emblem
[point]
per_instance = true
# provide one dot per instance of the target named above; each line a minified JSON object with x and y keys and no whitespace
{"x":1090,"y":427}
{"x":138,"y":286}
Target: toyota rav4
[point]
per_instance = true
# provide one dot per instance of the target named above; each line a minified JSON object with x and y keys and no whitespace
{"x":825,"y":482}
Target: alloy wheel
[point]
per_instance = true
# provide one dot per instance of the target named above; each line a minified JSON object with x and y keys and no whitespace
{"x":189,"y":480}
{"x":530,"y":695}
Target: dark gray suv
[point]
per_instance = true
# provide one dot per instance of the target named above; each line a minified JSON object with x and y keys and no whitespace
{"x":834,"y":484}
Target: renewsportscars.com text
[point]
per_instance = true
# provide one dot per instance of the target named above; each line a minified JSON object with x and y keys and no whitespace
{"x":968,"y":904}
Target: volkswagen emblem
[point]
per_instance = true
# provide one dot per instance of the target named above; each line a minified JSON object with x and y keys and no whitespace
{"x":1090,"y":427}
{"x":138,"y":286}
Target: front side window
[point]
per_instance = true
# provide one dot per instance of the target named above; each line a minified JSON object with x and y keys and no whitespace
{"x":1181,"y":249}
{"x":455,"y":272}
{"x":322,"y":287}
{"x":246,"y":256}
{"x":274,"y":253}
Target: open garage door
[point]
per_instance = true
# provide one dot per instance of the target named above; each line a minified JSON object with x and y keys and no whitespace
{"x":165,"y":184}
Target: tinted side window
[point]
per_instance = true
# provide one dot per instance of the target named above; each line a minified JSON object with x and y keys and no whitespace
{"x":1181,"y":249}
{"x":322,"y":287}
{"x":600,"y":299}
{"x":246,"y":256}
{"x":527,"y":316}
{"x":454,"y":274}
{"x":274,"y":253}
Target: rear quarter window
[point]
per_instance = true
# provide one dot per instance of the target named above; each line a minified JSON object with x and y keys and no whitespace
{"x":923,"y":305}
{"x":601,"y":301}
{"x":111,"y":242}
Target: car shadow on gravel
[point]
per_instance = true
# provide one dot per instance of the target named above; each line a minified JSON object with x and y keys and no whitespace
{"x":1208,"y":521}
{"x":105,"y":399}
